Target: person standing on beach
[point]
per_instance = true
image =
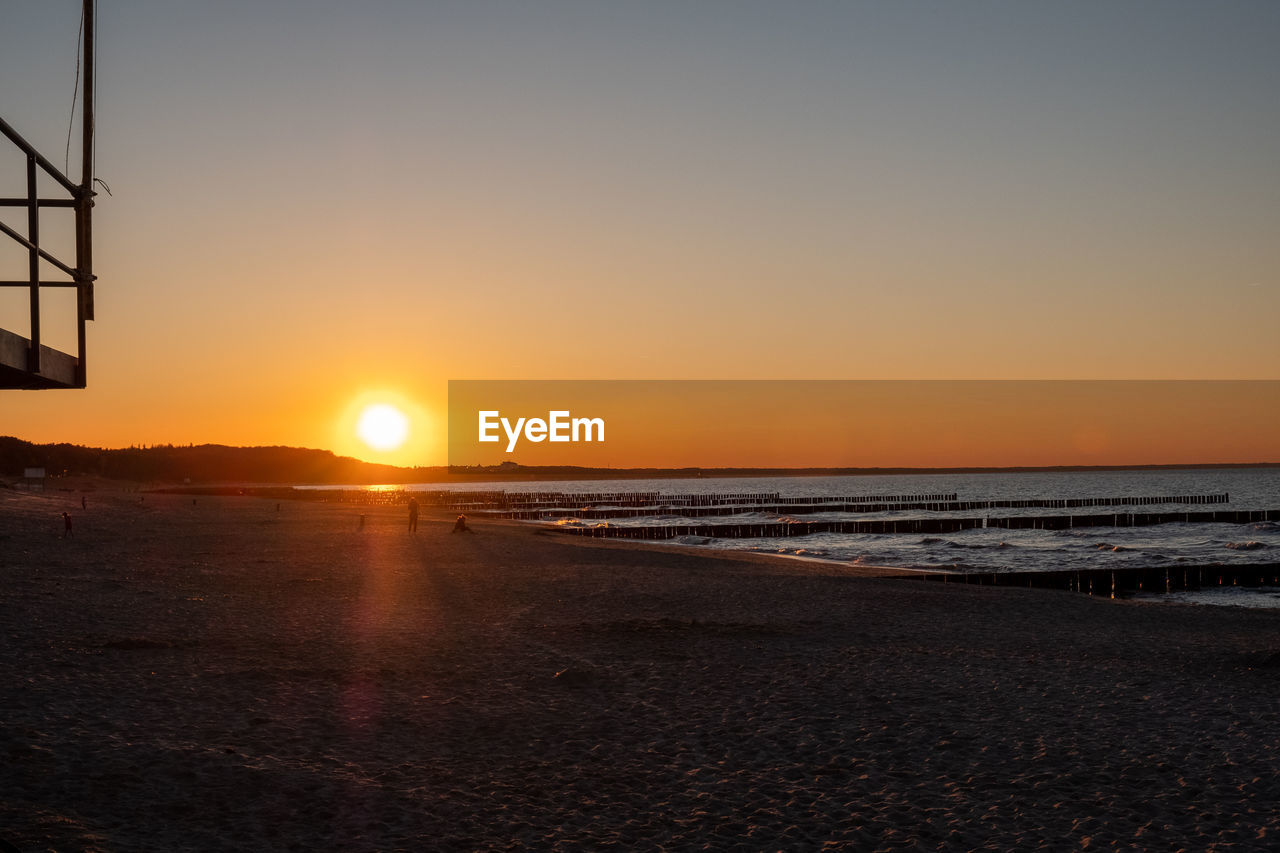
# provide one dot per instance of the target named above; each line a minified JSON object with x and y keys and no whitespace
{"x":413,"y":515}
{"x":66,"y":525}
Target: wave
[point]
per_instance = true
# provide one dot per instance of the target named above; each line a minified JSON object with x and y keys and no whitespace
{"x":813,"y":553}
{"x":950,"y":543}
{"x":954,"y":567}
{"x":1251,"y":545}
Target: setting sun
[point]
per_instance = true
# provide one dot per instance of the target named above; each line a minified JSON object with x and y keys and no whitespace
{"x":383,"y":427}
{"x":384,"y":424}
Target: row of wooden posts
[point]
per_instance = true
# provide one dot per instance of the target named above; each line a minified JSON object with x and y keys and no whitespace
{"x":1119,"y":583}
{"x":773,"y":530}
{"x":528,"y":501}
{"x":603,"y":505}
{"x":789,"y":508}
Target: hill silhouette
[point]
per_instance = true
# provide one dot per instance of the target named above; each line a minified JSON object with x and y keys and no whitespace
{"x":201,"y":463}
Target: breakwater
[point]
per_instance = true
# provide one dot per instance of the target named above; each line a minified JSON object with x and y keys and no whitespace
{"x":1121,"y":582}
{"x":846,"y":505}
{"x":924,"y":525}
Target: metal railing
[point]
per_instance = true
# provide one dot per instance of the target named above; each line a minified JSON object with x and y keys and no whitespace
{"x":81,"y":201}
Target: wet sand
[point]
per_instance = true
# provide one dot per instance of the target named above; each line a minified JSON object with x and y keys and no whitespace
{"x":226,"y":676}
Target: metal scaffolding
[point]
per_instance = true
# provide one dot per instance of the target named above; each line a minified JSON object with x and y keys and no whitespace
{"x":26,"y":362}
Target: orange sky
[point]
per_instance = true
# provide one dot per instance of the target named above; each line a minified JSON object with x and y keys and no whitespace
{"x":367,"y":201}
{"x":879,"y":424}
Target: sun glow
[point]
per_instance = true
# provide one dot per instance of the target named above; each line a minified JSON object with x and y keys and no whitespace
{"x":383,"y":427}
{"x":386,"y":425}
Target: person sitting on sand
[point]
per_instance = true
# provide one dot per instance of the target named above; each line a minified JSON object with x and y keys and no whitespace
{"x":460,"y":525}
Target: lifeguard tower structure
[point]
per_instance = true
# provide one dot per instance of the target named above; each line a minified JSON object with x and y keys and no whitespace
{"x":25,"y":362}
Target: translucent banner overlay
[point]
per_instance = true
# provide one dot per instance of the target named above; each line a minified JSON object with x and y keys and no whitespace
{"x":860,"y":424}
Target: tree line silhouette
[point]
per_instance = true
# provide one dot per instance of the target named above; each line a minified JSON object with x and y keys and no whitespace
{"x":201,"y":463}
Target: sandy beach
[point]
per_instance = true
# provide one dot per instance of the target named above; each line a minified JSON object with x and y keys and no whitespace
{"x":233,"y":674}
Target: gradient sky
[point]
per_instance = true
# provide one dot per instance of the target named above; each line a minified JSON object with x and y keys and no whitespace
{"x":871,"y":424}
{"x":318,"y":202}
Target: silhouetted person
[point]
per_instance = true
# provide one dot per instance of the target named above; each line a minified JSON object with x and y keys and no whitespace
{"x":460,"y":525}
{"x":361,"y":527}
{"x":413,"y":515}
{"x":84,"y":504}
{"x":66,"y":525}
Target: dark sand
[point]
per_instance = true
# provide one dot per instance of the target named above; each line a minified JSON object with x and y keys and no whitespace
{"x":228,"y":677}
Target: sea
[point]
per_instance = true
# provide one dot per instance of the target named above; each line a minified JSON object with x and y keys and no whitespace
{"x":985,"y":550}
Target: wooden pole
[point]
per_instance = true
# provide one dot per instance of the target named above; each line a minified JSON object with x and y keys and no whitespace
{"x":33,"y":264}
{"x":84,"y":206}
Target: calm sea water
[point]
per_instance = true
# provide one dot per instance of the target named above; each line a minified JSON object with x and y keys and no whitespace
{"x":992,"y":550}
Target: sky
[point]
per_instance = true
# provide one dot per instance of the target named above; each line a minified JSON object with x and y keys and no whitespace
{"x":318,"y":205}
{"x":861,"y":423}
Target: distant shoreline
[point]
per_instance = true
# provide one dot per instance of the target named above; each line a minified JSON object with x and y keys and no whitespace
{"x":534,"y":472}
{"x":208,"y":464}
